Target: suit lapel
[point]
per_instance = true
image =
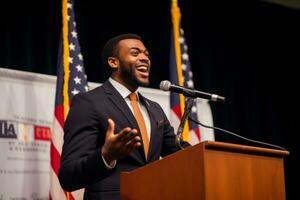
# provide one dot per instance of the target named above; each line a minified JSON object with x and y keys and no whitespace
{"x":119,"y":102}
{"x":115,"y":97}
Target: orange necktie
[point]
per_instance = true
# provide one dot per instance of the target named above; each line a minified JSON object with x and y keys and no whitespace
{"x":141,"y":122}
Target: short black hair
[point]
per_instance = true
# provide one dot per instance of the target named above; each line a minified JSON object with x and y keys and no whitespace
{"x":110,"y":48}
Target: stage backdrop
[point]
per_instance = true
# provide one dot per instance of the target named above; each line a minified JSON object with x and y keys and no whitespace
{"x":26,"y":119}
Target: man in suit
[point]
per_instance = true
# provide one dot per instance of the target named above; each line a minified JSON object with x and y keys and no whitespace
{"x":113,"y":128}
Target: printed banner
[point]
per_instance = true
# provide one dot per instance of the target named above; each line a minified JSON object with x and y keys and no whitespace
{"x":26,"y":114}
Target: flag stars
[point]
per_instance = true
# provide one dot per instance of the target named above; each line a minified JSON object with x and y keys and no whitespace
{"x":80,"y":56}
{"x":74,"y":23}
{"x":191,"y":74}
{"x":74,"y":34}
{"x":70,"y":60}
{"x":181,"y":31}
{"x":79,"y":68}
{"x":77,"y":80}
{"x":190,"y":84}
{"x":183,"y":66}
{"x":185,"y":47}
{"x":181,"y":40}
{"x":72,"y":47}
{"x":185,"y":56}
{"x":68,"y":17}
{"x":86,"y":88}
{"x":69,"y":5}
{"x":74,"y":92}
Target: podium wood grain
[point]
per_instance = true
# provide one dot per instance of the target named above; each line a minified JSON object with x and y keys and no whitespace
{"x":210,"y":171}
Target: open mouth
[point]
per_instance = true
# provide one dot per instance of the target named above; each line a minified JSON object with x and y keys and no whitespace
{"x":143,"y":70}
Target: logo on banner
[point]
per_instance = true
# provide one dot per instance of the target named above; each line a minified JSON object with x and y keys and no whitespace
{"x":7,"y":129}
{"x":24,"y":132}
{"x":42,"y":133}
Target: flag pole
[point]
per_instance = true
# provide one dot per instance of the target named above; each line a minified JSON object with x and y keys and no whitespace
{"x":176,"y":17}
{"x":66,"y":55}
{"x":66,"y":64}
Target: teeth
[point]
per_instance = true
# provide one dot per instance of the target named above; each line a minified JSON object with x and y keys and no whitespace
{"x":142,"y":68}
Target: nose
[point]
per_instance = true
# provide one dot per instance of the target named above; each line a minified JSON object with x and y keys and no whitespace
{"x":144,"y":58}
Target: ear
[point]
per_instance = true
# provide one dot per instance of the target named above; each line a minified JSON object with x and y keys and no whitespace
{"x":113,"y":62}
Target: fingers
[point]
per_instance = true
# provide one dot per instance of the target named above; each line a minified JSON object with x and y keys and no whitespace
{"x":134,"y":143}
{"x":124,"y":137}
{"x":110,"y":128}
{"x":121,"y":144}
{"x":126,"y":134}
{"x":131,"y":144}
{"x":129,"y":138}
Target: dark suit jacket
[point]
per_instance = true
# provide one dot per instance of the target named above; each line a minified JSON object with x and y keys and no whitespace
{"x":81,"y":162}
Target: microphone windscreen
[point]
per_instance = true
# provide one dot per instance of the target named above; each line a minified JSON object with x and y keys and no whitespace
{"x":165,"y":85}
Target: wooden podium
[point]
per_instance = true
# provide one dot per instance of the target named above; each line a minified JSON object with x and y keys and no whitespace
{"x":209,"y":171}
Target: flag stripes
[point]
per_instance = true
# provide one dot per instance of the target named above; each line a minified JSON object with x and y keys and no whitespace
{"x":71,"y":80}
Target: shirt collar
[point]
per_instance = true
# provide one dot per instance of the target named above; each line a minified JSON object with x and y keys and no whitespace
{"x":124,"y":92}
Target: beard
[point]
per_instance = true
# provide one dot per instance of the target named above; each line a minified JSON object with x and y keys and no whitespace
{"x":129,"y":74}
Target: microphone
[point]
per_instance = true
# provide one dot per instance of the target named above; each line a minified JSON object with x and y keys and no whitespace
{"x":167,"y":86}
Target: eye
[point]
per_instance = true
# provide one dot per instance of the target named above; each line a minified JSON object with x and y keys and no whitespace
{"x":147,"y":54}
{"x":134,"y":53}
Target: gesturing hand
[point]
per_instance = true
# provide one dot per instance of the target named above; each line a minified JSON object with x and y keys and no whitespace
{"x":119,"y":145}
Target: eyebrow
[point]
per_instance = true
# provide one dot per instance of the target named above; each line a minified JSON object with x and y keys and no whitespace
{"x":136,"y":48}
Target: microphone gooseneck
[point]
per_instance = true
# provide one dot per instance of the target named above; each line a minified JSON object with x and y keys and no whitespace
{"x":167,"y":86}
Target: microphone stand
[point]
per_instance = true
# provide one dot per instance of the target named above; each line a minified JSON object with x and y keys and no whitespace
{"x":187,"y":109}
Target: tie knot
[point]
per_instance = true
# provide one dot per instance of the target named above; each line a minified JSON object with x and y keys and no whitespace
{"x":133,"y":96}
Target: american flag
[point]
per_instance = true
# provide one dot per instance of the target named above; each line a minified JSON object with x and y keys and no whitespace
{"x":181,"y":74}
{"x":71,"y":80}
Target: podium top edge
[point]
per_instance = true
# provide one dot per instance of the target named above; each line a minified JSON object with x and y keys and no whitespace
{"x":243,"y":148}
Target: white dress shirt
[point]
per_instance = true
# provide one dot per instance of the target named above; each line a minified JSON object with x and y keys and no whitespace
{"x":124,"y":92}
